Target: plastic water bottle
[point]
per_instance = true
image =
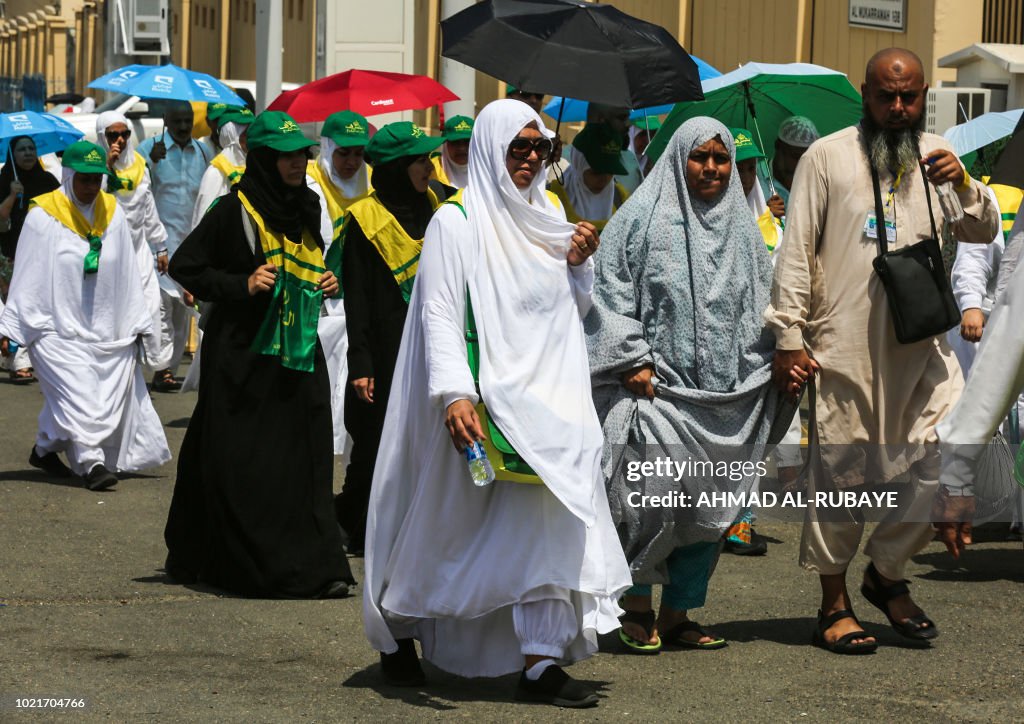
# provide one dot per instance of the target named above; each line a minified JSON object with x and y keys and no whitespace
{"x":952,"y":209}
{"x":479,"y":466}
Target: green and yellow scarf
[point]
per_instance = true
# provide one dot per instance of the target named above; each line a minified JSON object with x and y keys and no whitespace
{"x":290,"y":327}
{"x":60,"y":207}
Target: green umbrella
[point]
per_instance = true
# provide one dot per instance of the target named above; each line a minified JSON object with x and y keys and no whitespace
{"x":761,"y":95}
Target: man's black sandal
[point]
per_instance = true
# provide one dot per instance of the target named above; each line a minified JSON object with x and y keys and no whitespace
{"x":917,"y":628}
{"x":402,"y":668}
{"x":557,"y":688}
{"x":843,"y":644}
{"x":646,"y":620}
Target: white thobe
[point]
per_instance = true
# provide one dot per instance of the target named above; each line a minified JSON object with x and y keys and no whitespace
{"x":333,"y":337}
{"x":176,"y":180}
{"x":148,"y":236}
{"x":82,"y":331}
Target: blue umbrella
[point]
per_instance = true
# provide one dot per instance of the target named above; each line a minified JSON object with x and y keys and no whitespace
{"x":576,"y":110}
{"x":50,"y":133}
{"x":169,"y":82}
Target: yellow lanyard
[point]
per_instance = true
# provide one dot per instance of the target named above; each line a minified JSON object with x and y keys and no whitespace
{"x":891,"y":196}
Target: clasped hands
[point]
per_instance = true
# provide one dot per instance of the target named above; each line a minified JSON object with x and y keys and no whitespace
{"x":264,"y":278}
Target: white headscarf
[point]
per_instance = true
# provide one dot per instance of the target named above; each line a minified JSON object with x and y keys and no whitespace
{"x":358,"y":185}
{"x":588,"y":205}
{"x":756,"y":200}
{"x":641,"y":158}
{"x":104,"y":121}
{"x":538,"y":392}
{"x":457,"y":173}
{"x":229,"y":135}
{"x":67,"y":188}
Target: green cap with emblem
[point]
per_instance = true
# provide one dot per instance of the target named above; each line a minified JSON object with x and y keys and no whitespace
{"x":458,"y":128}
{"x":347,"y":129}
{"x":276,"y":130}
{"x":85,"y":157}
{"x":235,"y":114}
{"x":397,"y":140}
{"x":745,"y":146}
{"x":602,"y":147}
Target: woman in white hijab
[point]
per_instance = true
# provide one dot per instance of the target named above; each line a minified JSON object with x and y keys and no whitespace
{"x":132,"y":187}
{"x":340,"y":177}
{"x":491,"y":578}
{"x":227,"y":167}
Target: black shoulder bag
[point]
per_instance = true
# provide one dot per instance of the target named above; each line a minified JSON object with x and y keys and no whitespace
{"x":915,"y":282}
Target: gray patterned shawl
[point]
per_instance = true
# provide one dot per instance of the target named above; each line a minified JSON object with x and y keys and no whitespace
{"x":681,"y":284}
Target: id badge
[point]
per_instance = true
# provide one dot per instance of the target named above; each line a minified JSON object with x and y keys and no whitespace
{"x":871,"y":228}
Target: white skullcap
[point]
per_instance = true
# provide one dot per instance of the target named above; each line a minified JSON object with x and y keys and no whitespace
{"x":798,"y":131}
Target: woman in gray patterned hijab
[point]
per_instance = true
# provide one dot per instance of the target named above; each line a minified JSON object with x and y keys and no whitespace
{"x":680,"y":361}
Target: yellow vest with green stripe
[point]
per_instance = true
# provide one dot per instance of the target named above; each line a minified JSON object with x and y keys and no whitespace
{"x":1009,"y":199}
{"x":439,"y":170}
{"x":231,"y":172}
{"x":770,"y":230}
{"x":337,"y":204}
{"x":130,"y":178}
{"x":570,"y":213}
{"x":399,"y":250}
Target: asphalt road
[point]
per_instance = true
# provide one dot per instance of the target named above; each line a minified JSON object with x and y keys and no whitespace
{"x":87,"y":614}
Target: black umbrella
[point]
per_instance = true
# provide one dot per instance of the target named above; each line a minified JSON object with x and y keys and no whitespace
{"x":70,"y":98}
{"x":1009,"y":170}
{"x":583,"y":50}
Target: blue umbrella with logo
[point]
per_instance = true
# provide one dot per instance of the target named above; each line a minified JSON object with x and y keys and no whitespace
{"x":50,"y":133}
{"x":168,"y":82}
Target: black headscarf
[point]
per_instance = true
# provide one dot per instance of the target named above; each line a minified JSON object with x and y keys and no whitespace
{"x":286,"y":209}
{"x":394,"y":188}
{"x":36,"y":181}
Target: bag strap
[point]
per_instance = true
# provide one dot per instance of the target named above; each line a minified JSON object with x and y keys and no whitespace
{"x":881,"y":232}
{"x":928,"y":196}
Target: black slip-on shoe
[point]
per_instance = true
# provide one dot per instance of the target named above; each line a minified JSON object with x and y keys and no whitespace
{"x":334,"y":589}
{"x":557,"y":688}
{"x":99,"y":478}
{"x":757,"y":546}
{"x":402,"y":668}
{"x":49,"y":463}
{"x":179,"y":574}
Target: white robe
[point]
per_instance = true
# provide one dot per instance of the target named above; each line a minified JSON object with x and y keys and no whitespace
{"x":451,"y":560}
{"x":82,"y":332}
{"x":334,"y":336}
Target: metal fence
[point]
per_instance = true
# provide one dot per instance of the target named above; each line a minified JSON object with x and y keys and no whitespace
{"x":26,"y":92}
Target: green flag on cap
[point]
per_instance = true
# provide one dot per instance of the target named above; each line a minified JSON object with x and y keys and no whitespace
{"x":276,"y":130}
{"x":745,"y":146}
{"x":458,"y":128}
{"x":397,"y":140}
{"x":602,"y":147}
{"x":85,"y":157}
{"x":347,"y":129}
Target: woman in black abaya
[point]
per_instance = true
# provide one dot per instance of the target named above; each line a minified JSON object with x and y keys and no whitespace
{"x":252,"y":509}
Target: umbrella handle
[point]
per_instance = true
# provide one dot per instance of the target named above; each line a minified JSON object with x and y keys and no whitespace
{"x":14,"y":168}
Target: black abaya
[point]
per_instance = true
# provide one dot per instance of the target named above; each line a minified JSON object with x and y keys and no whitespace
{"x":252,"y":510}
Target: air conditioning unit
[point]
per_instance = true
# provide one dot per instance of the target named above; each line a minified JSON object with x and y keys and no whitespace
{"x":142,"y":27}
{"x":948,"y":107}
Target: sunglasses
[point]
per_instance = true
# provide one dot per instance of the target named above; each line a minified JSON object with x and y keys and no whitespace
{"x":114,"y":135}
{"x":521,"y":148}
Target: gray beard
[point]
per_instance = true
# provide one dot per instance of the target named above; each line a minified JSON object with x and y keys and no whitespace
{"x":893,"y":150}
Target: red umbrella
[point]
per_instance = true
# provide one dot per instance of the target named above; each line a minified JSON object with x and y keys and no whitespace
{"x":369,"y":92}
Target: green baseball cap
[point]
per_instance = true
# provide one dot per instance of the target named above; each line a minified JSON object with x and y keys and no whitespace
{"x":745,"y":146}
{"x":602,"y":147}
{"x":458,"y":128}
{"x":276,"y":130}
{"x":216,"y":110}
{"x":346,"y":129}
{"x":85,"y":157}
{"x":647,"y":123}
{"x":236,"y":114}
{"x":400,"y":139}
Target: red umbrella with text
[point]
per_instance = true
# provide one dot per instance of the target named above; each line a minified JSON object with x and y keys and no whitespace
{"x":369,"y":92}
